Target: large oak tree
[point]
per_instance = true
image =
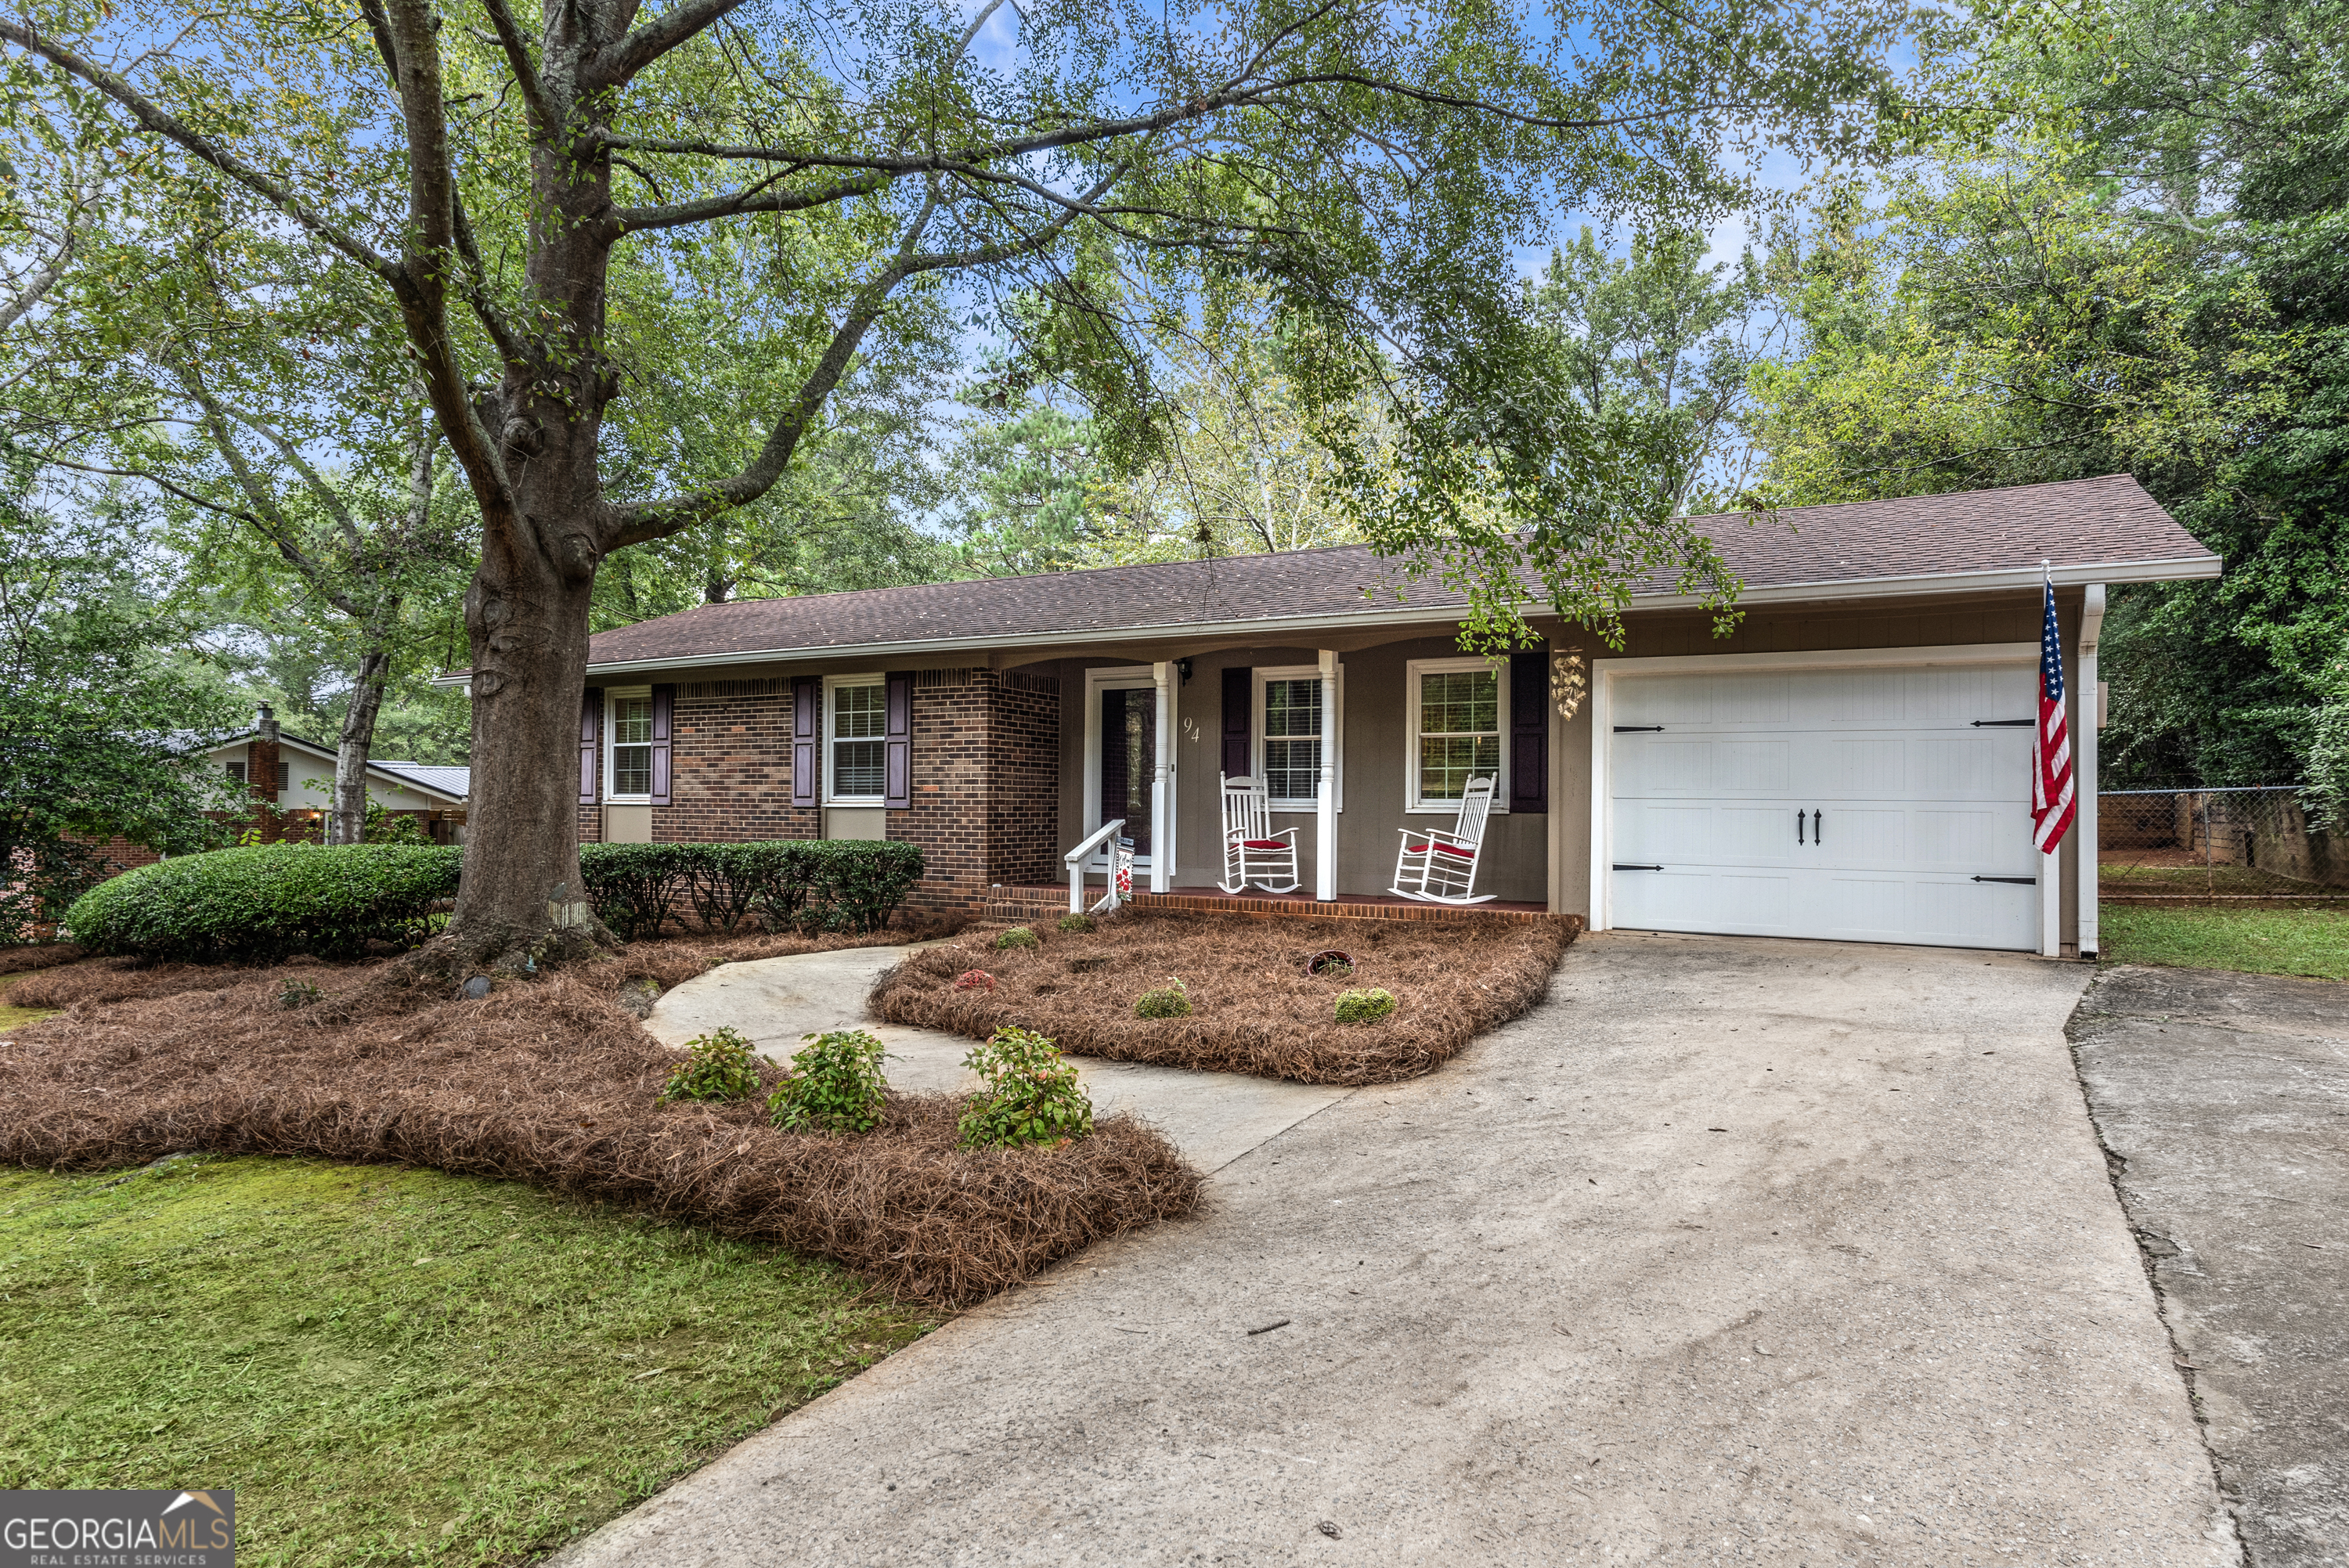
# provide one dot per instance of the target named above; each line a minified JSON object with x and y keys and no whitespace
{"x":1066,"y":172}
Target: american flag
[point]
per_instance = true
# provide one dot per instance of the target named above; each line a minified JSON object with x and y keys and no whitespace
{"x":2052,"y":806}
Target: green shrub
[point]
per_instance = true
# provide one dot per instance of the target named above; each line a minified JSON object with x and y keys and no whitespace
{"x":1073,"y":921}
{"x":1171,"y":1000}
{"x":835,"y":1085}
{"x":294,"y":994}
{"x":849,"y":884}
{"x":1017,"y":937}
{"x":1031,"y":1094}
{"x":264,"y":903}
{"x":1364,"y":1006}
{"x":719,"y":1065}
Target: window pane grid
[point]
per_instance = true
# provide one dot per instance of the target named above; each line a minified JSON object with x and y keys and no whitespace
{"x":859,"y":747}
{"x":1459,"y":731}
{"x":632,"y":750}
{"x":1293,"y":745}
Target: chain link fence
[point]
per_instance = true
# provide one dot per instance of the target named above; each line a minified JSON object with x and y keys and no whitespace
{"x":2215,"y":846}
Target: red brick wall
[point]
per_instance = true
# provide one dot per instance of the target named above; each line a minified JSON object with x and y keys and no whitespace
{"x":985,"y":760}
{"x":987,"y":772}
{"x":730,"y":767}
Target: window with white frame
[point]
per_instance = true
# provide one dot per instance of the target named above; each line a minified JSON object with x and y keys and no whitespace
{"x":1458,"y":731}
{"x":629,"y":723}
{"x":1291,"y":730}
{"x":857,"y":728}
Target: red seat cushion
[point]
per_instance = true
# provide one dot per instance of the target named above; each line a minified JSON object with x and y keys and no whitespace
{"x":1451,"y":849}
{"x":1264,"y":843}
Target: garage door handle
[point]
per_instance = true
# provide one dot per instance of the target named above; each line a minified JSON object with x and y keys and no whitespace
{"x":1621,"y":867}
{"x":1798,"y":826}
{"x":1658,"y":728}
{"x":1819,"y":830}
{"x":2005,"y":723}
{"x":2026,"y":882}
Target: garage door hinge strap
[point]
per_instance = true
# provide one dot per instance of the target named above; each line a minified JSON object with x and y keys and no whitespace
{"x":2005,"y":723}
{"x":2026,"y":882}
{"x":1621,"y":867}
{"x":1658,"y":728}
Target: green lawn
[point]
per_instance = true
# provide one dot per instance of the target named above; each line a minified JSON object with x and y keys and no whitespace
{"x":393,"y":1366}
{"x":2258,"y":940}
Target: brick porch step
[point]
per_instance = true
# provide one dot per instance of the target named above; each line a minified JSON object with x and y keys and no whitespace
{"x":1031,"y":903}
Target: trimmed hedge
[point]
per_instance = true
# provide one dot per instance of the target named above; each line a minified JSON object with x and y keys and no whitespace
{"x":831,"y":884}
{"x":265,"y":903}
{"x":261,"y":905}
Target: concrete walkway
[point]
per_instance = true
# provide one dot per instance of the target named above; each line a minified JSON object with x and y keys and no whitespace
{"x":1212,"y":1118}
{"x":1732,"y":1251}
{"x":2222,"y":1098}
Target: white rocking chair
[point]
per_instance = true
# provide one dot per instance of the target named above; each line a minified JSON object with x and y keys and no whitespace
{"x":1438,"y":867}
{"x":1253,"y":853}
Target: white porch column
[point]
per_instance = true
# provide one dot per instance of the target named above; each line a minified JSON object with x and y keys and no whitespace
{"x":1325,"y":801}
{"x":1161,"y":782}
{"x":2087,"y":736}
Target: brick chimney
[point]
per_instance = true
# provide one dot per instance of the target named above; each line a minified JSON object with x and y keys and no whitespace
{"x":261,"y":757}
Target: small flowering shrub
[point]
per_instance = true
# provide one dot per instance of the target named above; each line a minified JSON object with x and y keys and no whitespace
{"x":974,"y":980}
{"x":719,"y":1065}
{"x":1073,"y":921}
{"x":1017,"y":937}
{"x":1364,"y":1006}
{"x":1031,"y":1094}
{"x":835,"y":1085}
{"x":1171,"y":1000}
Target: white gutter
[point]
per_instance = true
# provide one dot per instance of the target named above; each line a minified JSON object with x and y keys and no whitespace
{"x":2177,"y":570}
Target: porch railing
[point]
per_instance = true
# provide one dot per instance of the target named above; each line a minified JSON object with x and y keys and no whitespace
{"x":1121,"y":867}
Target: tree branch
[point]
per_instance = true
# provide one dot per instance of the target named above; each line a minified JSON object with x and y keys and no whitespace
{"x":617,"y":63}
{"x":160,"y":122}
{"x":676,"y":215}
{"x":638,"y":524}
{"x":517,"y":52}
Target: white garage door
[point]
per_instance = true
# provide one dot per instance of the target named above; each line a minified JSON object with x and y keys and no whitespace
{"x":1867,"y":805}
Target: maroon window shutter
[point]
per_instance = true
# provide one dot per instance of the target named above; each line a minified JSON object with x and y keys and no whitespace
{"x":897,"y":748}
{"x":1239,"y":721}
{"x":591,"y":744}
{"x":805,"y":692}
{"x":1529,"y":731}
{"x":664,"y":707}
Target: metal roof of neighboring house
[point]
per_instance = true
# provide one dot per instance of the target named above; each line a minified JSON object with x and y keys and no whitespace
{"x":2095,"y":530}
{"x":449,"y":779}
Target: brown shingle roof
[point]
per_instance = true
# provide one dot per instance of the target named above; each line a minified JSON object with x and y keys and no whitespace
{"x":2103,"y":521}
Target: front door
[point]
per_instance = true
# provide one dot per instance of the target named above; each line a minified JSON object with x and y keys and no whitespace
{"x":1129,"y":752}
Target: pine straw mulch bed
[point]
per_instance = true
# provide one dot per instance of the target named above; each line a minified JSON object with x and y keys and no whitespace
{"x":1253,"y":1008}
{"x":553,"y":1081}
{"x":39,"y":956}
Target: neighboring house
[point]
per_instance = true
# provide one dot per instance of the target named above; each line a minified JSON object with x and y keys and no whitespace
{"x":1881,"y":682}
{"x":297,"y":777}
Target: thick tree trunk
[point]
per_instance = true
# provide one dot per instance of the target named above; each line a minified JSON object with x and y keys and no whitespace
{"x":522,"y":904}
{"x":346,"y":824}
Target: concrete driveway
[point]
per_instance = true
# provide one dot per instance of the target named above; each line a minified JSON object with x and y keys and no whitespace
{"x":2222,"y":1098}
{"x":1731,"y":1251}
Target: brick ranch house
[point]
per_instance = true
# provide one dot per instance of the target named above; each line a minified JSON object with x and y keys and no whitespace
{"x":1882,"y":682}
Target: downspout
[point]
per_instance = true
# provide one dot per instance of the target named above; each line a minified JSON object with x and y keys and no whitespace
{"x":2088,"y":738}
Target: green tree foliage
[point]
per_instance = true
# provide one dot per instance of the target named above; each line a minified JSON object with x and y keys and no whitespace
{"x":524,"y":186}
{"x":100,"y":716}
{"x":2151,"y":277}
{"x":1660,"y":337}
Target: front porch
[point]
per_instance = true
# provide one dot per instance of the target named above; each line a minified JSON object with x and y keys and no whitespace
{"x":1048,"y":903}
